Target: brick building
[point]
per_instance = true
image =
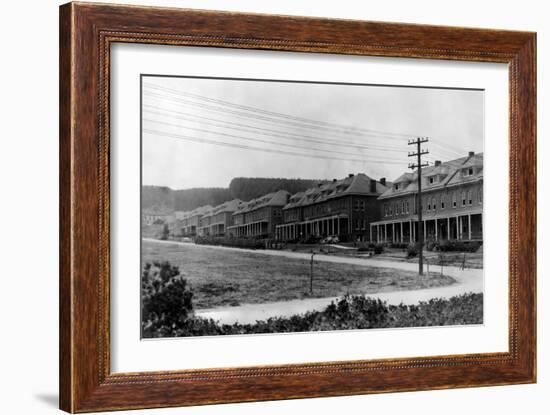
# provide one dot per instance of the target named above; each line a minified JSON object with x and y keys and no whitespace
{"x":259,"y":217}
{"x":216,"y":220}
{"x":344,"y":208}
{"x":191,"y":220}
{"x":452,"y":203}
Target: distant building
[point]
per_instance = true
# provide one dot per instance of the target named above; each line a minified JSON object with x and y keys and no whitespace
{"x":259,"y":217}
{"x":452,"y":203}
{"x":191,"y":220}
{"x":157,"y":215}
{"x":343,"y":208}
{"x":217,"y":220}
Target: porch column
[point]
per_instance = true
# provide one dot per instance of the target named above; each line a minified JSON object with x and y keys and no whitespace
{"x":401,"y":224}
{"x":457,"y":233}
{"x":424,"y":230}
{"x":448,"y":228}
{"x":410,"y":231}
{"x":370,"y":233}
{"x":469,"y":227}
{"x":436,"y":229}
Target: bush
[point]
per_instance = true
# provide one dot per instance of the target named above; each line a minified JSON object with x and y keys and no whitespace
{"x":378,"y":249}
{"x":399,"y":245}
{"x":165,"y":232}
{"x":431,"y":245}
{"x":412,"y":250}
{"x":249,"y":243}
{"x":166,"y":301}
{"x":350,"y":313}
{"x":459,"y":246}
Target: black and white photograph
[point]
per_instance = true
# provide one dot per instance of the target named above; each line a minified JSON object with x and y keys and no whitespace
{"x":284,"y":206}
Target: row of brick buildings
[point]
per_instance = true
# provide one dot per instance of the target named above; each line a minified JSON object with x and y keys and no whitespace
{"x":358,"y":208}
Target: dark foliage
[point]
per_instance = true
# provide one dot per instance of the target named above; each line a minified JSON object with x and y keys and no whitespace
{"x":459,"y":246}
{"x":349,"y":312}
{"x":242,"y":188}
{"x":166,"y":301}
{"x":412,"y":250}
{"x":246,"y":188}
{"x":251,"y":243}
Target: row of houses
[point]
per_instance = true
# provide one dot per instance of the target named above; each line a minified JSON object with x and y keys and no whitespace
{"x":357,"y":208}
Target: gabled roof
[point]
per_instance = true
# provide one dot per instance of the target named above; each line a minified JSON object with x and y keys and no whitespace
{"x":201,"y":210}
{"x":353,"y":184}
{"x":279,"y":198}
{"x":229,"y":206}
{"x":450,"y":173}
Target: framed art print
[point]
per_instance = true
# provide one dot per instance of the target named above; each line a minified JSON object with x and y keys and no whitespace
{"x":260,"y":207}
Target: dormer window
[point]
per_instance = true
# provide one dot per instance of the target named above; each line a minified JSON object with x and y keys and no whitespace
{"x":396,"y":186}
{"x":469,"y":171}
{"x":431,"y":179}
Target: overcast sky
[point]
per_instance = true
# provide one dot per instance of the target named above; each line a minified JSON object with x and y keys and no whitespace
{"x":204,"y":132}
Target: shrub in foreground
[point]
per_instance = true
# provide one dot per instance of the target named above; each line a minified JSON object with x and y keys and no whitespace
{"x":349,"y":312}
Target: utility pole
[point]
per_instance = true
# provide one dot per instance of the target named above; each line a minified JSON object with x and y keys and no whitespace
{"x":418,"y":154}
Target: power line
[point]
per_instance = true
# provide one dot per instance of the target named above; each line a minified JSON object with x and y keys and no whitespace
{"x":267,"y":150}
{"x":257,"y":140}
{"x":268,"y":119}
{"x":268,"y":132}
{"x":272,"y":113}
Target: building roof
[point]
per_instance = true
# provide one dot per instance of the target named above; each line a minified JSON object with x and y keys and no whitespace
{"x":279,"y":198}
{"x":357,"y":184}
{"x":199,"y":211}
{"x":449,"y":173}
{"x":229,"y":206}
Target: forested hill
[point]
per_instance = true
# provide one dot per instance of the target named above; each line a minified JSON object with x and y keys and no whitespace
{"x":246,"y":188}
{"x":243,"y":188}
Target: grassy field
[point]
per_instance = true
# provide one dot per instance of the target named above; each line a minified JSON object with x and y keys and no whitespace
{"x":220,"y":277}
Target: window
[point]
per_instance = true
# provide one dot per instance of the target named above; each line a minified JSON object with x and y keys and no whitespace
{"x":463,"y":198}
{"x":470,"y":197}
{"x":442,"y":202}
{"x":407,"y":206}
{"x":480,"y":195}
{"x":396,"y":186}
{"x":429,"y":204}
{"x":403,"y":207}
{"x":385,"y":209}
{"x":454,"y":199}
{"x":433,"y":203}
{"x":431,"y":180}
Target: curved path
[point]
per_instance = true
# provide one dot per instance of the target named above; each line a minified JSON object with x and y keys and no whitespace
{"x":467,"y":280}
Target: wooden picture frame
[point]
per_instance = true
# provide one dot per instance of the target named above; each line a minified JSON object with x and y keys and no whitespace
{"x":86,"y":33}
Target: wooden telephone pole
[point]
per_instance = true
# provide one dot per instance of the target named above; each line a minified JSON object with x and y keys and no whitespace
{"x":418,"y":165}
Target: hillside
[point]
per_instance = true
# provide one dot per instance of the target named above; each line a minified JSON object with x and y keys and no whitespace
{"x":244,"y":188}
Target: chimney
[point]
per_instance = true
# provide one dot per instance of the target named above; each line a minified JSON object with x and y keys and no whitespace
{"x":383,"y":181}
{"x":470,"y":153}
{"x":372,"y":186}
{"x":350,"y":175}
{"x":438,"y":163}
{"x":333,"y":180}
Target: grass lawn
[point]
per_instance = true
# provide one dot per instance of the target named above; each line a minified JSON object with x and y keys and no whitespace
{"x":221,"y":277}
